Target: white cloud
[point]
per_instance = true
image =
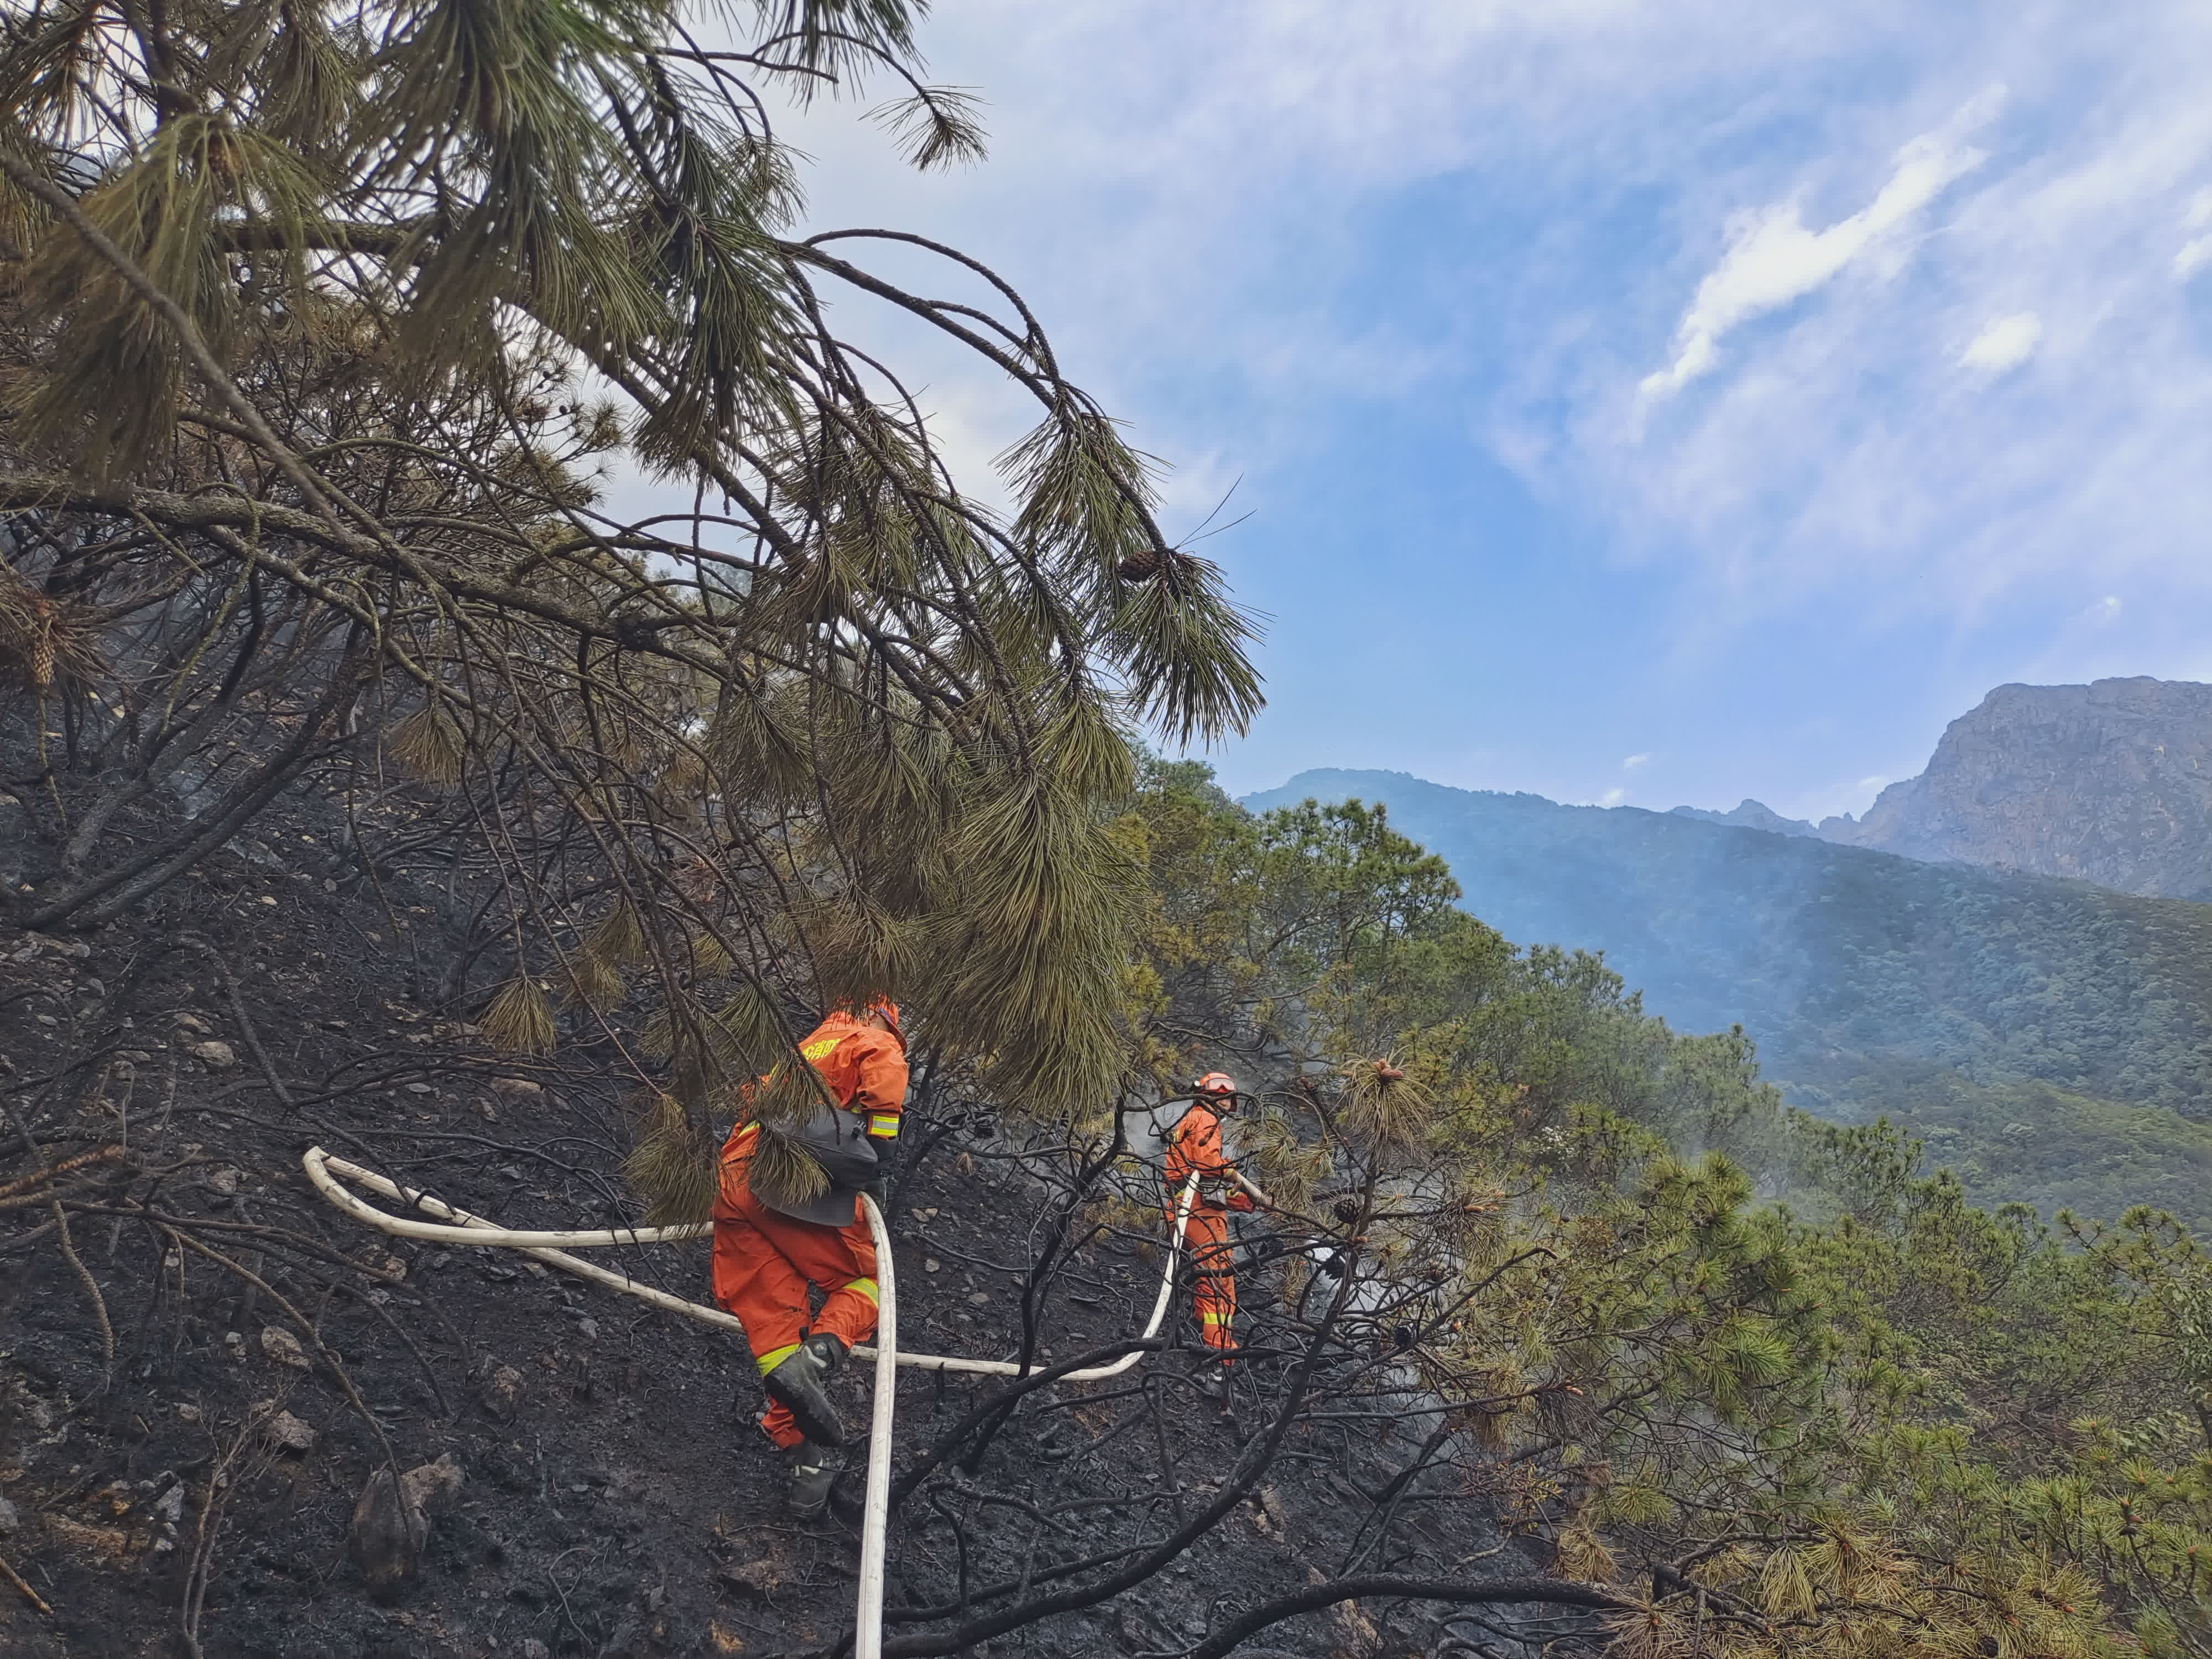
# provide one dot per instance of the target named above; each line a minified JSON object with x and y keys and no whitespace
{"x":1612,"y":798}
{"x":1849,"y":468}
{"x":2005,"y":342}
{"x":2196,"y":252}
{"x":1636,"y":763}
{"x":1772,"y":259}
{"x":1262,"y":234}
{"x":2105,"y":612}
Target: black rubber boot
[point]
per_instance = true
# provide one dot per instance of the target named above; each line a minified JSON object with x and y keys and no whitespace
{"x":796,"y":1383}
{"x":813,"y":1471}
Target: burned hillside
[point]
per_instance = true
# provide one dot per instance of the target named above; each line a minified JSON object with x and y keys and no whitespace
{"x":207,"y":1365}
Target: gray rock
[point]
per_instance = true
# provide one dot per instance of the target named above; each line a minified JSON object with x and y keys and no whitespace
{"x":427,"y":1486}
{"x":9,"y":1519}
{"x":391,"y":1522}
{"x":502,"y":1393}
{"x":288,"y":1433}
{"x":281,"y":1346}
{"x":214,"y":1054}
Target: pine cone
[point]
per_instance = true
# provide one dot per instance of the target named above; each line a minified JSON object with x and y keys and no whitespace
{"x":1142,"y":565}
{"x":42,"y":645}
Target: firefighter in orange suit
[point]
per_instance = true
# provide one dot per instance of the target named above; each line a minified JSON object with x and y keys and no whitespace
{"x":1194,"y":1148}
{"x":767,"y":1260}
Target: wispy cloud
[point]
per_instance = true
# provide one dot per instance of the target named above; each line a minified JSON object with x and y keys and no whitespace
{"x":2195,"y":252}
{"x":2004,"y":344}
{"x":1772,"y":259}
{"x":1636,"y":763}
{"x":1334,"y":257}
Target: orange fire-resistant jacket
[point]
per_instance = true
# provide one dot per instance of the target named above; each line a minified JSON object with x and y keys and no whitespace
{"x":865,"y":1068}
{"x":1194,"y":1145}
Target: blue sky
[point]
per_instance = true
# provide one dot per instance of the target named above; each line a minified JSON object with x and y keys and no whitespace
{"x":1664,"y":402}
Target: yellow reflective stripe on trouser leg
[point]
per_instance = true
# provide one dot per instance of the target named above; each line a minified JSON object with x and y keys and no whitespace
{"x":867,"y":1287}
{"x":884,"y":1126}
{"x":776,"y":1357}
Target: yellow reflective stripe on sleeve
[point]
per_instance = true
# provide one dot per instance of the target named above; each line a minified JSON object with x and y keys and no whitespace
{"x":867,"y":1287}
{"x":776,"y":1357}
{"x":1215,"y":1318}
{"x":884,"y":1126}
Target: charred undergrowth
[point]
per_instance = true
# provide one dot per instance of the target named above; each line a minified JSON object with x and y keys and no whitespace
{"x":204,"y":1365}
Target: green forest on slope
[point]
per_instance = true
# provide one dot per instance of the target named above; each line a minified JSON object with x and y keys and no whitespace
{"x":1880,"y":1417}
{"x":2050,"y":1040}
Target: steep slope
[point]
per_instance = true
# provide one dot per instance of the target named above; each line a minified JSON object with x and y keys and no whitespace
{"x":613,"y":1499}
{"x":2110,"y":782}
{"x":1957,"y":999}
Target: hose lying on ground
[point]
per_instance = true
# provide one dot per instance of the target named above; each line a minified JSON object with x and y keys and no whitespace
{"x":474,"y":1231}
{"x":462,"y":1228}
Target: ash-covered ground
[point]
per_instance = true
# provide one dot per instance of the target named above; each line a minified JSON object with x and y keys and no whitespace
{"x":203,"y":1364}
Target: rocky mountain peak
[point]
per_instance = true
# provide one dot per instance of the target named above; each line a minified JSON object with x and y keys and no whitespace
{"x":2109,"y":783}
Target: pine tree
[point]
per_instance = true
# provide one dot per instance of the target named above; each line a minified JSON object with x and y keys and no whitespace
{"x":322,"y":321}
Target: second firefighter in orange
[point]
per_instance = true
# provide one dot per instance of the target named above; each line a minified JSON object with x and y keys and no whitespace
{"x":1193,"y":1147}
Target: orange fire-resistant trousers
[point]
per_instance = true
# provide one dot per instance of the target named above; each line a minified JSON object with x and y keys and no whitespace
{"x":765,"y":1264}
{"x":1213,"y":1296}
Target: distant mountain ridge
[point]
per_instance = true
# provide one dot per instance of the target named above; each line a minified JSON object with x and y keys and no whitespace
{"x":2053,"y":1039}
{"x":2109,"y":783}
{"x":1753,"y":814}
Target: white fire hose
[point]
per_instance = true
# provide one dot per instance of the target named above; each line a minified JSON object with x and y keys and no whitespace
{"x":474,"y":1231}
{"x":459,"y":1227}
{"x":876,"y":1512}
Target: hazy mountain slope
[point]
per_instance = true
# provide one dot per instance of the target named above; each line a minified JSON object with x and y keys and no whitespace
{"x":1751,"y":815}
{"x":1954,"y":998}
{"x":2110,"y":782}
